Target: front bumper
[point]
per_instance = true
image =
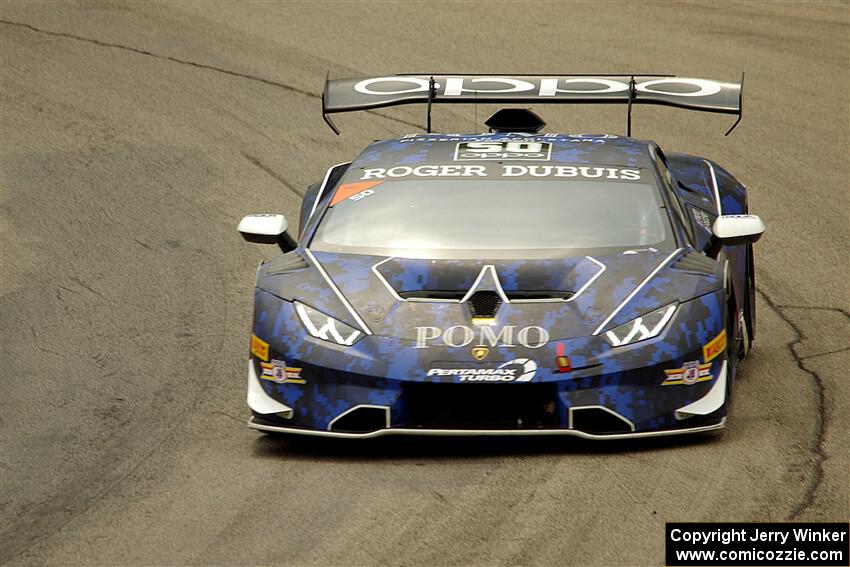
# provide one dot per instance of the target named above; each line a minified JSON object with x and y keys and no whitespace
{"x":395,"y":415}
{"x":666,"y":385}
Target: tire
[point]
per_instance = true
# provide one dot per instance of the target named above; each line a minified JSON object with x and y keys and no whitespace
{"x":750,"y":303}
{"x":734,"y":342}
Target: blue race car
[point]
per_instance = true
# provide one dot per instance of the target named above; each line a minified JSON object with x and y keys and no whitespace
{"x":507,"y":283}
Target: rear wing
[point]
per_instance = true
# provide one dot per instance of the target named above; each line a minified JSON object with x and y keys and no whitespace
{"x":366,"y":93}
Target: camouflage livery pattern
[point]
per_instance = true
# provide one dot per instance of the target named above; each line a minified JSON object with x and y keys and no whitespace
{"x":379,"y":369}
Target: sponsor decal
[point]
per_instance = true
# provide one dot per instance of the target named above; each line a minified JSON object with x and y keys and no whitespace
{"x":354,"y":191}
{"x":702,"y":218}
{"x":461,"y":336}
{"x":585,"y":172}
{"x":512,"y":137}
{"x":480,"y":352}
{"x":278,"y":371}
{"x":425,"y":171}
{"x":259,"y":348}
{"x":590,"y":137}
{"x":690,"y":373}
{"x":517,"y":370}
{"x":503,"y":151}
{"x":541,"y":87}
{"x":556,"y":171}
{"x":715,"y":347}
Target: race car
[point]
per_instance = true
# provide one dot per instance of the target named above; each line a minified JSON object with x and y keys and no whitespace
{"x":507,"y":283}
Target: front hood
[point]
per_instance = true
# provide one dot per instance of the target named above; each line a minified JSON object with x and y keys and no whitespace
{"x":566,"y":298}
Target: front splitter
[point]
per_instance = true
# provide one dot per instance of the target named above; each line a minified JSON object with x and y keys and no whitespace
{"x":252,"y":423}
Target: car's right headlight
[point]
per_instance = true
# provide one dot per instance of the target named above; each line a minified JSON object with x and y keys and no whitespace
{"x":325,"y":327}
{"x":641,"y":328}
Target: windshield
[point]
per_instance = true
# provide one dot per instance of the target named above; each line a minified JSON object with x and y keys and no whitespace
{"x":438,"y":218}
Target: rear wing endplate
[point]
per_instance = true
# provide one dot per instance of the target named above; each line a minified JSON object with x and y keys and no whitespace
{"x":366,"y":93}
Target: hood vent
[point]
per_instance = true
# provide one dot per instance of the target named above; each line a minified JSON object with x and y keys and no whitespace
{"x":432,"y":295}
{"x":484,"y":304}
{"x":452,"y":280}
{"x":517,"y":296}
{"x":546,"y":295}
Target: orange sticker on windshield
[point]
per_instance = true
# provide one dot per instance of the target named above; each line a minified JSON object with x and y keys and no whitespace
{"x":354,"y":191}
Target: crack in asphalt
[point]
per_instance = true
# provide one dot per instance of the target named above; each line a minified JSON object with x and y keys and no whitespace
{"x":824,"y":353}
{"x":272,"y":173}
{"x":160,"y":56}
{"x":196,"y":64}
{"x":815,"y":308}
{"x":818,"y":450}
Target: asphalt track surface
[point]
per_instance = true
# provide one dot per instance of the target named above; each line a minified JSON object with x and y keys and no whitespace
{"x":135,"y":136}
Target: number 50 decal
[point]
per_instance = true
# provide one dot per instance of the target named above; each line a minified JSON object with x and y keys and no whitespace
{"x":354,"y":191}
{"x":503,"y":151}
{"x":361,"y":195}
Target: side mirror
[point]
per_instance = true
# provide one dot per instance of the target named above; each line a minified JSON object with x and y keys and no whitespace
{"x":267,"y":229}
{"x":732,"y":230}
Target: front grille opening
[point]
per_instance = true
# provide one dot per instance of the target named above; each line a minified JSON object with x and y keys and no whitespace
{"x":484,"y":303}
{"x":599,"y":421}
{"x":481,"y":406}
{"x":361,"y":420}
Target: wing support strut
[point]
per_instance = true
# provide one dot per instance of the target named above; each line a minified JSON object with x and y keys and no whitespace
{"x":632,"y":93}
{"x":432,"y":92}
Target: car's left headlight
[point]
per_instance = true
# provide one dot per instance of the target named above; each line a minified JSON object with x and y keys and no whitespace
{"x":641,"y":328}
{"x":325,"y":327}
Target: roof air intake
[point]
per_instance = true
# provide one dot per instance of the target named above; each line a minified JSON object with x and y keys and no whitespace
{"x":514,"y":120}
